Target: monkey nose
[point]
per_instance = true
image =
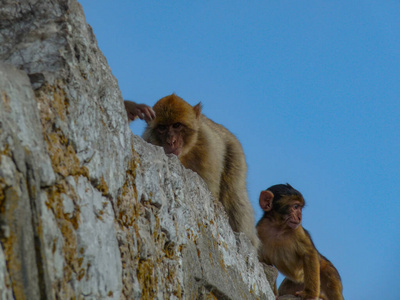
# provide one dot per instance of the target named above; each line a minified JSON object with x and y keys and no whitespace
{"x":171,"y":142}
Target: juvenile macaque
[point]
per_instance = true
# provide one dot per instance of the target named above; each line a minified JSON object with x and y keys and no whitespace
{"x":210,"y":150}
{"x":288,"y":246}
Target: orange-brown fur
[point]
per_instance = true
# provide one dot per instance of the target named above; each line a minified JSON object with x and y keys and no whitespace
{"x":291,"y":250}
{"x":210,"y":150}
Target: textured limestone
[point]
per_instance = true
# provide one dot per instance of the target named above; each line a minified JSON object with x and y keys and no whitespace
{"x":5,"y":282}
{"x":87,"y":209}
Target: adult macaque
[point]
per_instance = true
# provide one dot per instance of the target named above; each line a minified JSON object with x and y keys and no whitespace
{"x":288,"y":246}
{"x":210,"y":150}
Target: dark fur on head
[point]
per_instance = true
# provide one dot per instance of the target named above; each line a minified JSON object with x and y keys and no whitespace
{"x":283,"y":195}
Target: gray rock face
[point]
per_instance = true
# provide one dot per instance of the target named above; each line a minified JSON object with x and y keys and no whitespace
{"x":87,"y":209}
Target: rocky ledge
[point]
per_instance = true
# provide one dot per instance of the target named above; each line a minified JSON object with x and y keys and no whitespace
{"x":87,"y":209}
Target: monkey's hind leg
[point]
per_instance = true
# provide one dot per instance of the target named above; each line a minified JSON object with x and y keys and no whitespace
{"x":289,"y":287}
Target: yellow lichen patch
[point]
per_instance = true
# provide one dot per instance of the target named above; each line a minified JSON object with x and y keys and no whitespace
{"x":211,"y":296}
{"x":214,"y":245}
{"x":67,"y":223}
{"x":54,"y":248}
{"x":127,"y":206}
{"x":99,"y":214}
{"x":63,"y":156}
{"x":131,"y":209}
{"x":171,"y":275}
{"x":192,"y":235}
{"x":128,"y":267}
{"x":221,"y":262}
{"x":6,"y":151}
{"x":225,"y":245}
{"x":146,"y":278}
{"x":211,"y":258}
{"x":53,"y":105}
{"x":81,"y":274}
{"x":2,"y":195}
{"x":84,"y":75}
{"x":6,"y":101}
{"x":129,"y":192}
{"x":52,"y":102}
{"x":9,"y":240}
{"x":252,"y":289}
{"x":169,"y":250}
{"x":131,"y":170}
{"x":13,"y":264}
{"x":126,"y":209}
{"x":178,"y":292}
{"x":80,"y":261}
{"x":103,"y":187}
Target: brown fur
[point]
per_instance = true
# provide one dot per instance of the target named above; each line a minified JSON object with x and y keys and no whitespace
{"x":291,"y":250}
{"x":210,"y":150}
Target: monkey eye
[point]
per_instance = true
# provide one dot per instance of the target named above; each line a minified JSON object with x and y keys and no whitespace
{"x":176,"y":125}
{"x":296,"y":206}
{"x":161,"y":127}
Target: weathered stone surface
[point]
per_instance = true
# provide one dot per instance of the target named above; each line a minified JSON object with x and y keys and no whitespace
{"x":5,"y":282}
{"x":18,"y":178}
{"x":87,"y":209}
{"x":272,"y":274}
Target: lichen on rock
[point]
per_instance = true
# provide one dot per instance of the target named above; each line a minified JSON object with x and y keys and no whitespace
{"x":87,"y":209}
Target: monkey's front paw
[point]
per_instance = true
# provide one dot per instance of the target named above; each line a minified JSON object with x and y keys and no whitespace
{"x":145,"y":112}
{"x":306,"y":296}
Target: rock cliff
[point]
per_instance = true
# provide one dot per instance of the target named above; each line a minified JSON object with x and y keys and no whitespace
{"x":87,"y":209}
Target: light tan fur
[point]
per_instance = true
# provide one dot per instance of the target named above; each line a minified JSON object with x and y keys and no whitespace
{"x":210,"y":150}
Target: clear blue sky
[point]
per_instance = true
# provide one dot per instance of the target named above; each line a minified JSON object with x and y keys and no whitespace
{"x":310,"y":88}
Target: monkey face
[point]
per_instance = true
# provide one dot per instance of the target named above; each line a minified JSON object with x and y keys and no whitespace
{"x":284,"y":204}
{"x":171,"y":137}
{"x":289,"y":207}
{"x":294,"y":217}
{"x":175,"y":126}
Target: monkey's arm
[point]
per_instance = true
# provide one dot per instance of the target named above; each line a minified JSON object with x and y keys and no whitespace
{"x":311,"y":267}
{"x":143,"y":111}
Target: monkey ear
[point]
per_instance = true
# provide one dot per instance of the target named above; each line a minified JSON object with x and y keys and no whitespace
{"x":266,"y":198}
{"x":197,"y":109}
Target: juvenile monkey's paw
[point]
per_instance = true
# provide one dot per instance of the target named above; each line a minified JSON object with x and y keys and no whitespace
{"x":306,"y":296}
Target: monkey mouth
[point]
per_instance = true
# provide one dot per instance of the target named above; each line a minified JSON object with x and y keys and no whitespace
{"x":294,"y":225}
{"x":170,"y":150}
